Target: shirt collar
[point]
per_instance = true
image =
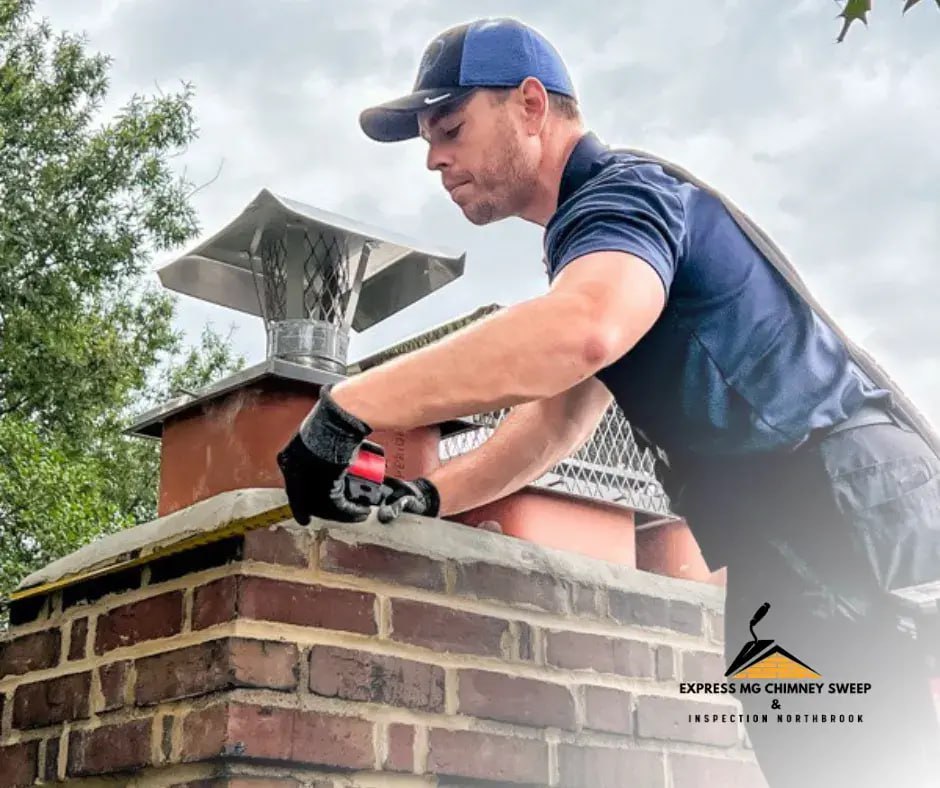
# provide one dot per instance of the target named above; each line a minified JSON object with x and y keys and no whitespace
{"x":581,"y":165}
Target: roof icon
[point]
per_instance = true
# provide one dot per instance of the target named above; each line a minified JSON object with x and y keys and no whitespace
{"x":763,"y":659}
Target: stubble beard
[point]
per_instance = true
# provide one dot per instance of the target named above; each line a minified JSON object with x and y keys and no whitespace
{"x":507,"y":183}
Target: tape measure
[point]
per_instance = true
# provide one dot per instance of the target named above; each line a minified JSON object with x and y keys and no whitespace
{"x":234,"y":528}
{"x":366,"y":474}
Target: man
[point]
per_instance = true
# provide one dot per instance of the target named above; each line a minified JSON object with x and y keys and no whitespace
{"x":791,"y":466}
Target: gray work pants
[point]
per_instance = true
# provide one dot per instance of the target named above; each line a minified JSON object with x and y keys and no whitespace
{"x":824,"y":535}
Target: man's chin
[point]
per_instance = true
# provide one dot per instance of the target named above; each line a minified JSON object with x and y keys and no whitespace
{"x":480,"y":214}
{"x":478,"y":220}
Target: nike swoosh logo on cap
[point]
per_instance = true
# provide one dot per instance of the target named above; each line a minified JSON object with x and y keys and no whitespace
{"x":429,"y":100}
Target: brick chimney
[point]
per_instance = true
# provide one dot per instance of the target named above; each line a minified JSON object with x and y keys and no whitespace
{"x":224,"y":645}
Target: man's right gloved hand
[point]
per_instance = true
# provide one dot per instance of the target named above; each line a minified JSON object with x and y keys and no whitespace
{"x":315,"y":463}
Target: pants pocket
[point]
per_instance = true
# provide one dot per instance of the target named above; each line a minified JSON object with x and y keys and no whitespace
{"x":893,"y":509}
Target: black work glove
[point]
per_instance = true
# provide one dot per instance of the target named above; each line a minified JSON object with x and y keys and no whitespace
{"x":315,"y":462}
{"x":418,"y":497}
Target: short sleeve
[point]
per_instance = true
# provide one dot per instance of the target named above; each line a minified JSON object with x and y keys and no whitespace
{"x":635,"y":209}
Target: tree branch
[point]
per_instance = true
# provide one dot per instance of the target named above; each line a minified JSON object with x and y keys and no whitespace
{"x":207,"y":183}
{"x":6,"y":411}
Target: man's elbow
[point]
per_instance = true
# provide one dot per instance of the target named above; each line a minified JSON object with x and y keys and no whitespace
{"x":608,"y":334}
{"x":610,"y":300}
{"x":603,"y":346}
{"x":587,"y":341}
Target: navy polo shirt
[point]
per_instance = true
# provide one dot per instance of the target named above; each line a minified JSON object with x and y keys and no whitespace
{"x":737,"y":363}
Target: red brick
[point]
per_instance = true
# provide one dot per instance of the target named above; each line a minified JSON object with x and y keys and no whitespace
{"x":358,"y":675}
{"x":243,"y":731}
{"x":215,"y":602}
{"x":275,"y":546}
{"x":578,"y":651}
{"x":328,"y":740}
{"x":716,"y":626}
{"x":259,"y":732}
{"x":287,"y":602}
{"x":606,"y":767}
{"x":52,"y":760}
{"x":650,"y":611}
{"x":584,"y":600}
{"x":112,"y":748}
{"x":307,"y":605}
{"x":214,"y":666}
{"x":659,"y":717}
{"x":526,"y":641}
{"x":702,"y":666}
{"x":28,"y":653}
{"x":482,"y":756}
{"x":262,"y":663}
{"x":608,"y":710}
{"x":443,"y":629}
{"x":514,"y":587}
{"x":181,"y":673}
{"x":50,"y":702}
{"x":156,"y":617}
{"x":113,"y":678}
{"x":695,"y":771}
{"x":511,"y":699}
{"x":401,"y":748}
{"x":382,"y":563}
{"x":78,"y":636}
{"x":204,"y":733}
{"x":19,"y":764}
{"x":665,"y":663}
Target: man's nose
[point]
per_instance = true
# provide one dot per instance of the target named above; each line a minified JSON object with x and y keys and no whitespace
{"x":437,"y":159}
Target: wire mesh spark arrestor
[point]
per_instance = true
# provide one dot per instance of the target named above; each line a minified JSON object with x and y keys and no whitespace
{"x":311,"y":275}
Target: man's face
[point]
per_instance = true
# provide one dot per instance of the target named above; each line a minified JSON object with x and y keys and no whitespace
{"x":488,"y":163}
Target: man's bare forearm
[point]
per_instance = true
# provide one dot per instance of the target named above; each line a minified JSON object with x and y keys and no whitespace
{"x":520,"y":450}
{"x":530,"y":351}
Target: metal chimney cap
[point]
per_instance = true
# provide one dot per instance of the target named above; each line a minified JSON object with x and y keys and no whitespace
{"x":400,"y":271}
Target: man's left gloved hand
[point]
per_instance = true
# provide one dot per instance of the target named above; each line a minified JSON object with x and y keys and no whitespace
{"x":418,"y":497}
{"x":315,"y":462}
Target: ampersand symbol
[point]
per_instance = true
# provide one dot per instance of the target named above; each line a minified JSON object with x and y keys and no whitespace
{"x":775,"y":704}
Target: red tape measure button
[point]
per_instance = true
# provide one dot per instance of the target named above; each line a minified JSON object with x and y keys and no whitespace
{"x":368,"y":466}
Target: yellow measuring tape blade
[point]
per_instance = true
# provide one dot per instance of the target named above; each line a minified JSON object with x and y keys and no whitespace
{"x":234,"y":528}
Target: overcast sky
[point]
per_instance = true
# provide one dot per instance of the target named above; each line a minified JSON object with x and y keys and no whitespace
{"x":833,"y":148}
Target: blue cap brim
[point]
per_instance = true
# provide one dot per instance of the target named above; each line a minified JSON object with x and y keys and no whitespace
{"x":397,"y":120}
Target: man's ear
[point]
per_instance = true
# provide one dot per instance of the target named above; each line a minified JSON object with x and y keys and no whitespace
{"x":534,"y":104}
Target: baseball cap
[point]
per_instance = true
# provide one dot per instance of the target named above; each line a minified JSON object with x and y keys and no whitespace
{"x":495,"y":52}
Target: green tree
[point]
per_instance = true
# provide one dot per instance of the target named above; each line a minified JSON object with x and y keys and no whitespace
{"x":85,"y":340}
{"x":857,"y":11}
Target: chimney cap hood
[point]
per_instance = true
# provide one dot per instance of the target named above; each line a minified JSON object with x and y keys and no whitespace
{"x":399,"y":272}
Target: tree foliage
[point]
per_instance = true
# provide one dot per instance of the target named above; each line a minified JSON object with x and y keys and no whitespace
{"x":858,"y":10}
{"x":85,"y":340}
